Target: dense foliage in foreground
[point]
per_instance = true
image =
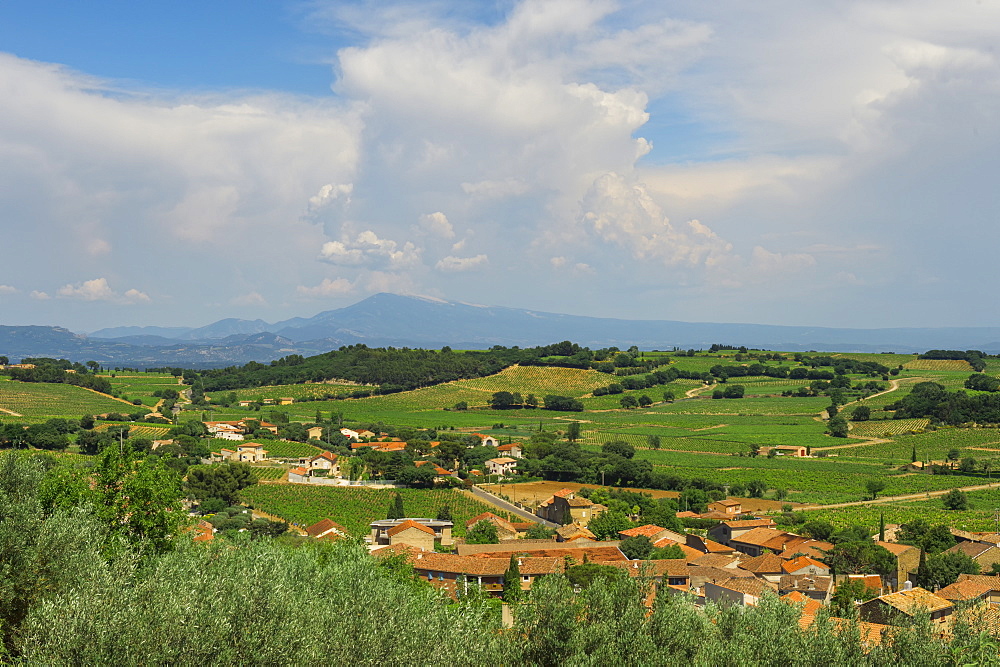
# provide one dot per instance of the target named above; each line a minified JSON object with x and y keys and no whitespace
{"x":75,"y":590}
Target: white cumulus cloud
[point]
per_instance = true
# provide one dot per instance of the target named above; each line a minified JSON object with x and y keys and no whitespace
{"x":453,"y":264}
{"x":327,"y":287}
{"x":437,"y":224}
{"x":368,"y":250}
{"x":98,"y":289}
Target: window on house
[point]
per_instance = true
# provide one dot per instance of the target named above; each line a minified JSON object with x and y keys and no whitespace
{"x":440,"y":576}
{"x":430,"y":576}
{"x":525,"y":577}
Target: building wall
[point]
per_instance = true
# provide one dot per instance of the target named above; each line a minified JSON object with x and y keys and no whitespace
{"x":414,"y":538}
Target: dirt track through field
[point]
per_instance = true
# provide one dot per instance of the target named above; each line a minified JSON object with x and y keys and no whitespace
{"x":11,"y":413}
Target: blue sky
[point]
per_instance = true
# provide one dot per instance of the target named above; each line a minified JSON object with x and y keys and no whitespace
{"x":811,"y":163}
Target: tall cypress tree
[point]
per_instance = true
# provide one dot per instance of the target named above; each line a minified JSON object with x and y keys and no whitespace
{"x":396,"y":509}
{"x":512,"y":581}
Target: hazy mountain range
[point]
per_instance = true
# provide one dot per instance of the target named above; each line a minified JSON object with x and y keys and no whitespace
{"x":410,"y":321}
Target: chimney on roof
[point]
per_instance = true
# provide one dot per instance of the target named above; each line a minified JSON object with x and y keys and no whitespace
{"x":907,"y":585}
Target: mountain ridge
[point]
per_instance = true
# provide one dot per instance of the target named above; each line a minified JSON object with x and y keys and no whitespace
{"x":387,"y":319}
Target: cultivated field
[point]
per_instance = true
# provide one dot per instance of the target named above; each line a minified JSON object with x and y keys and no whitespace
{"x":310,"y":391}
{"x":957,"y":365}
{"x":532,"y":493}
{"x":39,"y":399}
{"x":356,"y":507}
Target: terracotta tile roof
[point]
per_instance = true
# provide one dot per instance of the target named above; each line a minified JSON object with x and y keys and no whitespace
{"x":324,"y":526}
{"x":809,"y":605}
{"x":968,"y":590}
{"x":501,"y":460}
{"x":689,"y":553}
{"x":811,"y":548}
{"x":441,"y":471}
{"x":405,"y":525}
{"x":714,"y":514}
{"x":359,"y":445}
{"x":706,"y":545}
{"x":714,"y":560}
{"x":686,"y":514}
{"x":971,"y":549}
{"x":299,"y":471}
{"x":895,"y":548}
{"x":749,"y":523}
{"x":913,"y":600}
{"x":420,"y":463}
{"x":758,"y":537}
{"x":804,"y":582}
{"x":204,"y":532}
{"x":574,"y":530}
{"x":430,"y":561}
{"x":983,"y":578}
{"x":578,"y":552}
{"x":507,"y":448}
{"x":785,"y":542}
{"x":802,"y":562}
{"x":747,"y":585}
{"x":764,"y":564}
{"x":872,"y":581}
{"x":728,"y":503}
{"x":328,"y":456}
{"x":669,"y":567}
{"x":717,"y":574}
{"x":649,"y":530}
{"x":579,"y":502}
{"x":395,"y":549}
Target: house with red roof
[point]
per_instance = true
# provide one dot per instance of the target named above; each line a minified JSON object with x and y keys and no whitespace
{"x":578,"y":551}
{"x":454,"y":573}
{"x":326,"y":463}
{"x":487,"y":440}
{"x":574,"y":531}
{"x":766,"y":566}
{"x":731,"y":508}
{"x":900,"y":608}
{"x":805,"y":565}
{"x":502,"y":466}
{"x":416,"y":532}
{"x":565,"y":507}
{"x":250,"y":452}
{"x":512,"y":450}
{"x":740,"y":591}
{"x":326,"y":529}
{"x":973,"y":588}
{"x":653,"y":532}
{"x":810,"y":586}
{"x":726,"y":531}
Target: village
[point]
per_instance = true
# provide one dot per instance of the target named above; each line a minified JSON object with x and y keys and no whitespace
{"x":737,"y":561}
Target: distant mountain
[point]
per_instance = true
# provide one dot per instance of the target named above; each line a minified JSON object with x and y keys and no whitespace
{"x":420,"y":321}
{"x":141,"y":332}
{"x":411,"y":321}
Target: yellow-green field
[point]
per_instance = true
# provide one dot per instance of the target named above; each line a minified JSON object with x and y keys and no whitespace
{"x":40,"y":399}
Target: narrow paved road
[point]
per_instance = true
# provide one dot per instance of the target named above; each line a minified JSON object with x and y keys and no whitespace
{"x":496,"y":501}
